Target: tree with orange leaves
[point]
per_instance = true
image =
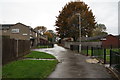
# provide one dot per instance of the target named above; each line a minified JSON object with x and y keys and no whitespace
{"x":67,"y":21}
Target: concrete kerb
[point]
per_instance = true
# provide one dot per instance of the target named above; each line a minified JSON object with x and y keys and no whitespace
{"x":37,"y":59}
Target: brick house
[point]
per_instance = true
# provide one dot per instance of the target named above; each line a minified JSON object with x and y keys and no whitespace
{"x":33,"y":37}
{"x":4,"y":29}
{"x":22,"y":32}
{"x":16,"y":31}
{"x":111,"y":40}
{"x":42,"y":39}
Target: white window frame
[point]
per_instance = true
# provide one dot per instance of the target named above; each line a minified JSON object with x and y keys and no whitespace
{"x":15,"y":30}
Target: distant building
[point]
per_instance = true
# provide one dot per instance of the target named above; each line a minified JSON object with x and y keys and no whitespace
{"x":93,"y":38}
{"x":16,"y":31}
{"x":107,"y":41}
{"x":20,"y":31}
{"x":111,"y":40}
{"x":33,"y":37}
{"x":42,"y":39}
{"x":67,"y":39}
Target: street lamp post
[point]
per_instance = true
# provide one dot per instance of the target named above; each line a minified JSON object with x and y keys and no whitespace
{"x":78,"y":14}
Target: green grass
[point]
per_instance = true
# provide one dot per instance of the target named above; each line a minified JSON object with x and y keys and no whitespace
{"x":85,"y":52}
{"x":43,"y":47}
{"x":108,"y":51}
{"x":117,"y":50}
{"x":28,"y":69}
{"x":101,"y":52}
{"x":108,"y":58}
{"x":37,"y":54}
{"x":89,"y":52}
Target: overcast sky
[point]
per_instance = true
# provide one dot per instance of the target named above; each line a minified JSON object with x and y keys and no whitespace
{"x":43,"y":12}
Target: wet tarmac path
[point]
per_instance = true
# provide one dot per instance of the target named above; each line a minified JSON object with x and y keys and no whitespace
{"x":74,"y":65}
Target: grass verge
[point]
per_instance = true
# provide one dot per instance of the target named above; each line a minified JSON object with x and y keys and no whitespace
{"x":43,"y":47}
{"x":37,"y":54}
{"x":100,"y":53}
{"x":28,"y":69}
{"x":85,"y":52}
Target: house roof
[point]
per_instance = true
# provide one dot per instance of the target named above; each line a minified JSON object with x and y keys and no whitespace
{"x":33,"y":30}
{"x":6,"y":26}
{"x":94,"y":38}
{"x":99,"y":37}
{"x":118,"y":36}
{"x":23,"y":25}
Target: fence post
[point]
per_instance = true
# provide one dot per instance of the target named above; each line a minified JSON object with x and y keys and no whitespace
{"x":87,"y":50}
{"x":110,"y":57}
{"x":98,"y":51}
{"x":70,"y":47}
{"x":111,"y":47}
{"x":119,"y":47}
{"x":17,"y":49}
{"x":104,"y":56}
{"x":91,"y":51}
{"x":78,"y":49}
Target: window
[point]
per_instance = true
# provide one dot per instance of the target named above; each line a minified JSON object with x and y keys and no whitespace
{"x":103,"y":39}
{"x":25,"y":34}
{"x":5,"y":31}
{"x":15,"y":31}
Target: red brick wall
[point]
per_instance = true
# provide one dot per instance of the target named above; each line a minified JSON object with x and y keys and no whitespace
{"x":110,"y":40}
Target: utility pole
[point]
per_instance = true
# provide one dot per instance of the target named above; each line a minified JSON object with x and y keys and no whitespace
{"x":78,"y":14}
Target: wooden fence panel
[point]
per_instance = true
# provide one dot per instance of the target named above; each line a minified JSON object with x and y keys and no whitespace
{"x":20,"y":48}
{"x":13,"y":49}
{"x":5,"y":49}
{"x":11,"y":46}
{"x":23,"y":47}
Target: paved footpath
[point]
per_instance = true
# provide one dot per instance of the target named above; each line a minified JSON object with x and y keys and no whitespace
{"x":74,"y":65}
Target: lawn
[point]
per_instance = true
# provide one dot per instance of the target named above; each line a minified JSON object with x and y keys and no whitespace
{"x":43,"y":47}
{"x":108,"y":58}
{"x":28,"y":69}
{"x":117,"y":50}
{"x":37,"y":54}
{"x":101,"y":52}
{"x":85,"y":52}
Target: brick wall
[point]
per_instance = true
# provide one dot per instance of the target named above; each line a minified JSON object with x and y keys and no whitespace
{"x":110,"y":41}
